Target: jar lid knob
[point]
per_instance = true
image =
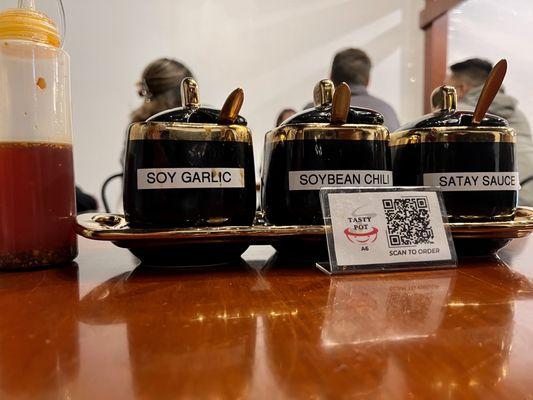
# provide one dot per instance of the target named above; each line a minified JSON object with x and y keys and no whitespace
{"x":323,"y":93}
{"x":190,"y":96}
{"x":444,"y":98}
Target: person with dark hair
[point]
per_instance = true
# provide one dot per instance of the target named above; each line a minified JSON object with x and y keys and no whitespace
{"x":469,"y":74}
{"x":160,"y":87}
{"x":353,"y":66}
{"x":468,"y":78}
{"x":284,"y":114}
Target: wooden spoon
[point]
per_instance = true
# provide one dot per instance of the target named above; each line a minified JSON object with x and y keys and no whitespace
{"x":232,"y":106}
{"x":489,"y":91}
{"x":341,"y":104}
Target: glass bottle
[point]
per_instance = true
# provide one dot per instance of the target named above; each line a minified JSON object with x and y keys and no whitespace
{"x":37,"y":194}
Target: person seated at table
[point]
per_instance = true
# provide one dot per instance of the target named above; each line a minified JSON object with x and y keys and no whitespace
{"x":353,"y":66}
{"x":160,"y":87}
{"x":468,"y":78}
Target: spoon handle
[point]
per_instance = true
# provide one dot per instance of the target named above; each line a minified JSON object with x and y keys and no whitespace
{"x":232,"y":106}
{"x":489,"y":91}
{"x":341,"y":104}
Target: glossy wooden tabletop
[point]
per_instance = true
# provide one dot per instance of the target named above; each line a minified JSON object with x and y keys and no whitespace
{"x":267,"y":329}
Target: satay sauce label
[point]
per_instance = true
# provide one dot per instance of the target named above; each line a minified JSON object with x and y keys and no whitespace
{"x":467,"y":181}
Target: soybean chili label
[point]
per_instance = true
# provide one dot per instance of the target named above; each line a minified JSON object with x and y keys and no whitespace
{"x":189,"y":178}
{"x":314,"y":180}
{"x":467,"y":181}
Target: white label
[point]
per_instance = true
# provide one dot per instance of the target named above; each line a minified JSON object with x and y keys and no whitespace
{"x":466,"y":181}
{"x":314,"y":180}
{"x":190,"y":178}
{"x":380,"y":227}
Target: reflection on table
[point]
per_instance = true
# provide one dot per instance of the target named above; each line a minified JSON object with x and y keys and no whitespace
{"x":39,"y":322}
{"x":265,"y":329}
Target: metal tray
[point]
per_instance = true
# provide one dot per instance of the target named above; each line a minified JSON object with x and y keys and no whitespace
{"x":113,"y":227}
{"x":208,"y":245}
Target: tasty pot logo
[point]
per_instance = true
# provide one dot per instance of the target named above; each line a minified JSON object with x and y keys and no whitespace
{"x":360,"y":229}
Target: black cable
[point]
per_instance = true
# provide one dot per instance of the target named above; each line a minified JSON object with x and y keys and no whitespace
{"x":103,"y":191}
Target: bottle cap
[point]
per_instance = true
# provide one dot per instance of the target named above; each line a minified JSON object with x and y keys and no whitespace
{"x":26,"y":23}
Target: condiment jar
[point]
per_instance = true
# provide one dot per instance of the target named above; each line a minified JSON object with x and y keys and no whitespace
{"x":190,"y":166}
{"x":331,"y":144}
{"x":37,"y":200}
{"x":475,"y":166}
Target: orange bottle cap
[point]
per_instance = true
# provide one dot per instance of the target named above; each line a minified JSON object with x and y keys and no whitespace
{"x":28,"y":24}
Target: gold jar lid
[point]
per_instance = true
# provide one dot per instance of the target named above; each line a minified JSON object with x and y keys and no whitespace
{"x":193,"y":112}
{"x":192,"y":122}
{"x":153,"y":130}
{"x":332,"y":118}
{"x":447,"y":124}
{"x":327,"y":132}
{"x":458,"y":134}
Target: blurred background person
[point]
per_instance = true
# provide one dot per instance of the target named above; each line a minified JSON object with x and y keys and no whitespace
{"x":468,"y":78}
{"x":160,"y":87}
{"x":284,"y":114}
{"x":353,"y":67}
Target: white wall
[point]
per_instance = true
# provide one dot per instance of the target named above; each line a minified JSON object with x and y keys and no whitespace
{"x":276,"y":50}
{"x":495,"y":29}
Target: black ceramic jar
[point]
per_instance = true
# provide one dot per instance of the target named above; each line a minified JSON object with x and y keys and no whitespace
{"x":475,"y":166}
{"x":309,"y":151}
{"x":185,"y":169}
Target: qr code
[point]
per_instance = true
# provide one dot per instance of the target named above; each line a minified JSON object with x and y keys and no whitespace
{"x":408,"y":222}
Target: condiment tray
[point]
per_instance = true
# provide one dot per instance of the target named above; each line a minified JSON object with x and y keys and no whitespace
{"x":470,"y":238}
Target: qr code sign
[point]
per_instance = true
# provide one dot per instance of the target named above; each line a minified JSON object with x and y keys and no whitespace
{"x":408,"y":222}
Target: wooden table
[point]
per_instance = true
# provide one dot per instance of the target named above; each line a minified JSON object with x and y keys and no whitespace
{"x":101,"y":329}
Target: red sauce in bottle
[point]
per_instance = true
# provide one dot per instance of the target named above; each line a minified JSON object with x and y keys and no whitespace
{"x":37,"y":204}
